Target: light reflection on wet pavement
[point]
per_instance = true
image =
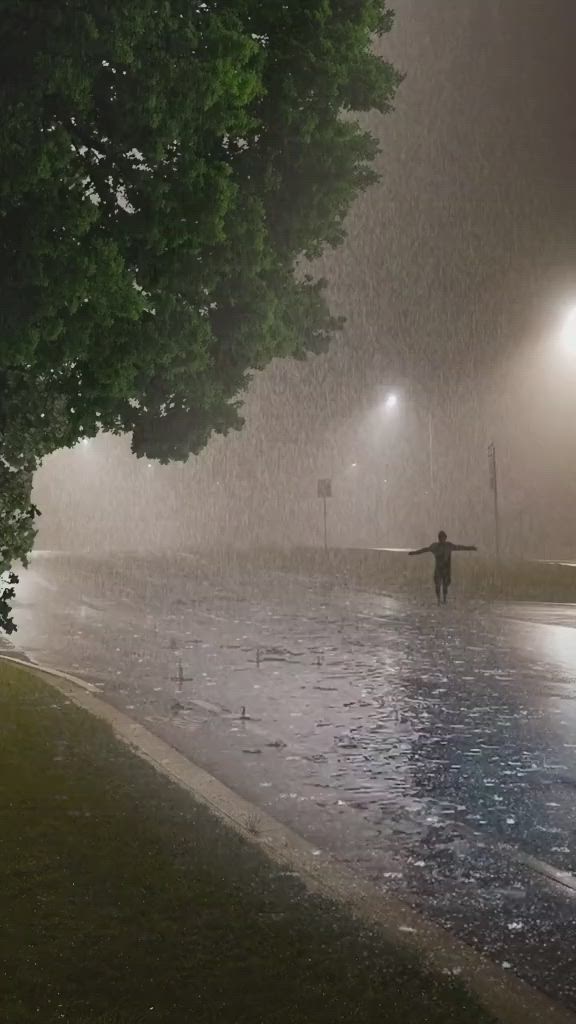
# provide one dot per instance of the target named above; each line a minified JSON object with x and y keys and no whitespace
{"x":432,"y":749}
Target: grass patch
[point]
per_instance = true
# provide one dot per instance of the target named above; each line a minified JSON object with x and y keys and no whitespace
{"x":123,"y":901}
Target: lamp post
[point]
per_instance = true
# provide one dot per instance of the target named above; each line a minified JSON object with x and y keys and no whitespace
{"x":391,"y":402}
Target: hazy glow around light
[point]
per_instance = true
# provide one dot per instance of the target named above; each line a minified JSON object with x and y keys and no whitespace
{"x":391,"y":401}
{"x":569,"y":329}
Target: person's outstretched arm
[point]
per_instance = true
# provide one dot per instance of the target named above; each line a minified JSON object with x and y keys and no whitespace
{"x":421,"y":551}
{"x":464,"y":547}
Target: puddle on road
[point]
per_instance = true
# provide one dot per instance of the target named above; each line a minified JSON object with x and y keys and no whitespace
{"x":413,"y":741}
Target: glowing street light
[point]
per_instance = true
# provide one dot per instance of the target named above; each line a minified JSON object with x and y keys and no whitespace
{"x":391,"y":402}
{"x":568,"y":333}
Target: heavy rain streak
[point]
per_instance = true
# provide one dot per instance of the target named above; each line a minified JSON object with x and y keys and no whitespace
{"x":457,"y":281}
{"x":256,"y":606}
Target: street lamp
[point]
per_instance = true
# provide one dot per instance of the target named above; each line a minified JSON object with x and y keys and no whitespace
{"x":391,"y":402}
{"x":568,"y":332}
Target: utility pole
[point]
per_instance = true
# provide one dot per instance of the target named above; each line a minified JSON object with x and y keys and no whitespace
{"x":431,"y":452}
{"x":493,"y":476}
{"x":325,"y":492}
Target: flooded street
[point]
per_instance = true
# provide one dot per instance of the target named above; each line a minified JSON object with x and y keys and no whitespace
{"x":433,"y":749}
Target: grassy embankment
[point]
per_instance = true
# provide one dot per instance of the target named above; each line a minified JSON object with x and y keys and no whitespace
{"x":124,"y":901}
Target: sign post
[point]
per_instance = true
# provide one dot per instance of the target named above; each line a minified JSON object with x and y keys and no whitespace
{"x":325,"y":492}
{"x":493,"y":476}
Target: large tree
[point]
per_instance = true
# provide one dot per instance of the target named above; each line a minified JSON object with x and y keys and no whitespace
{"x":167,"y":167}
{"x":33,"y":423}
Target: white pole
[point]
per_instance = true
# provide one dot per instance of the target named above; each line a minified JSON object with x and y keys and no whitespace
{"x":431,"y":451}
{"x":325,"y":523}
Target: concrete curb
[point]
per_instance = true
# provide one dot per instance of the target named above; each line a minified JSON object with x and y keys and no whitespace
{"x":511,"y":1000}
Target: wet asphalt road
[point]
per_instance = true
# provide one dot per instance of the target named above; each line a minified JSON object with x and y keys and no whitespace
{"x":433,"y":749}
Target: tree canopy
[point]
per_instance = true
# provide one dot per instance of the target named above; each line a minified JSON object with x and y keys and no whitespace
{"x":166,"y":166}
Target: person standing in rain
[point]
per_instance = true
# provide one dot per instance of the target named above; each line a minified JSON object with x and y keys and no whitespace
{"x":442,"y":550}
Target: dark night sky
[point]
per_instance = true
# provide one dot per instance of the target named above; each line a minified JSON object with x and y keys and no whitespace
{"x":453,"y":271}
{"x":477,"y":203}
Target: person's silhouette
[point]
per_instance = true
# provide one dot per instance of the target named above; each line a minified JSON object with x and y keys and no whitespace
{"x":442,"y":550}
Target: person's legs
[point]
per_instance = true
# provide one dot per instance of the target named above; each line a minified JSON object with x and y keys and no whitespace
{"x":445,"y":585}
{"x":437,"y":585}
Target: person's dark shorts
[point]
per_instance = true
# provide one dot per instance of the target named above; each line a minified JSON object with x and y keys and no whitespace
{"x":442,"y":577}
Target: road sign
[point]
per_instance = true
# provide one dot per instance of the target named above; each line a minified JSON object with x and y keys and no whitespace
{"x":325,"y":488}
